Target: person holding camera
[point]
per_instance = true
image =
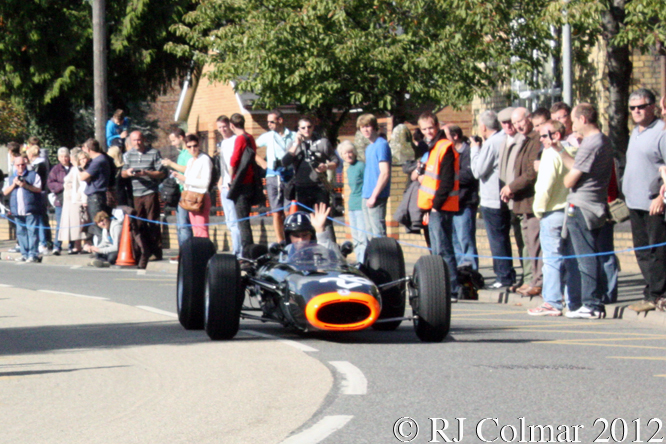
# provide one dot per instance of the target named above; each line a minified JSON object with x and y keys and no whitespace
{"x":311,"y":158}
{"x":24,"y":191}
{"x":143,"y":164}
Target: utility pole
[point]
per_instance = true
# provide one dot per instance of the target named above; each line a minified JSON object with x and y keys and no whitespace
{"x":99,"y":69}
{"x":567,"y":90}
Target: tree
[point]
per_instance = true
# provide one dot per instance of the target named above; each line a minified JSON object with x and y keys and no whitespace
{"x":332,"y":56}
{"x":46,"y":55}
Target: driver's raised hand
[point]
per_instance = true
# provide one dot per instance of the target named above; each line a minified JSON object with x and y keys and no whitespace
{"x":318,"y":218}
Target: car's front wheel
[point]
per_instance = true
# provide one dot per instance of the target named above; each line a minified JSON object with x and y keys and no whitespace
{"x":384,"y":263}
{"x":432,"y":299}
{"x":224,"y":297}
{"x":192,"y":259}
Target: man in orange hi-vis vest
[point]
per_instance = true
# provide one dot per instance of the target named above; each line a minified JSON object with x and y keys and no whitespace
{"x":438,"y":194}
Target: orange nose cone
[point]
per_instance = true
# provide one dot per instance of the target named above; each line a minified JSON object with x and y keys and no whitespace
{"x":334,"y":311}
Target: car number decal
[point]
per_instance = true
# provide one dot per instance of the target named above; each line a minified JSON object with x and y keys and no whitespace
{"x":347,"y":281}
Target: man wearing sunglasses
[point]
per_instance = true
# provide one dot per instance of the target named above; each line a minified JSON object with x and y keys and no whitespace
{"x":645,"y":154}
{"x":277,"y":140}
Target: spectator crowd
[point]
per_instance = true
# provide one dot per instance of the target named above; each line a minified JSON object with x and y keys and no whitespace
{"x":548,"y":177}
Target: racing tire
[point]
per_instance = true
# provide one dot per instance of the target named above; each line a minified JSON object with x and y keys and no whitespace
{"x":255,"y":251}
{"x":432,"y":305}
{"x":223,"y":297}
{"x":192,"y":259}
{"x":384,"y":262}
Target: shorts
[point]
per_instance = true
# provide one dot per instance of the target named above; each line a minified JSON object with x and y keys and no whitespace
{"x":275,"y":188}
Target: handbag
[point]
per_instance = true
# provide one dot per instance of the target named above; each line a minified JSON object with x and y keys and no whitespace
{"x":191,"y":201}
{"x":619,"y":211}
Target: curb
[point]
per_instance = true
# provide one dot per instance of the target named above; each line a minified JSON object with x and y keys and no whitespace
{"x":619,"y":310}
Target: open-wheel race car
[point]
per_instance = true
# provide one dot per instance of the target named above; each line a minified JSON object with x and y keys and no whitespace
{"x":311,"y":288}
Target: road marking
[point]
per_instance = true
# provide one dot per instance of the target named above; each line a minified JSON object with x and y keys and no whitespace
{"x":660,"y":376}
{"x":75,"y":295}
{"x":158,"y":311}
{"x":298,"y":345}
{"x":354,"y":382}
{"x":6,"y":285}
{"x":647,"y":358}
{"x":74,"y":267}
{"x":319,"y":431}
{"x":141,"y":272}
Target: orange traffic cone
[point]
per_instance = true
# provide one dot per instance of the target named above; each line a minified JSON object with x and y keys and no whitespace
{"x":126,"y":253}
{"x":293,"y":208}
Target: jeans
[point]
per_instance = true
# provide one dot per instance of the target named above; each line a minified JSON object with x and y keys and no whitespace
{"x":464,"y":237}
{"x":498,"y":225}
{"x":57,"y":243}
{"x":441,"y":238}
{"x":184,"y":226}
{"x":560,"y":276}
{"x":650,"y":230}
{"x":231,"y":220}
{"x":585,"y":242}
{"x":27,"y":234}
{"x":97,"y":203}
{"x":609,"y":265}
{"x":243,"y":207}
{"x":375,"y":217}
{"x":357,"y":222}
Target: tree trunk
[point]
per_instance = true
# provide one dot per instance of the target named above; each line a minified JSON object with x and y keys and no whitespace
{"x":620,"y":68}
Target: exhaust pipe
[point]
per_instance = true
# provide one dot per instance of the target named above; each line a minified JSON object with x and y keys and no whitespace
{"x":333,"y":311}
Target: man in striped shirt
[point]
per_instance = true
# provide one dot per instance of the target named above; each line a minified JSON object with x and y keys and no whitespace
{"x":143,"y":164}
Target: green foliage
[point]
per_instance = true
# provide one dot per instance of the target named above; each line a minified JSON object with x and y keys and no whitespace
{"x":342,"y":54}
{"x":46,"y":55}
{"x":645,"y":24}
{"x":13,"y":122}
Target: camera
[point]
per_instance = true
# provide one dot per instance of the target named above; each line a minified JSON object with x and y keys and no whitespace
{"x":21,"y":179}
{"x":421,"y":169}
{"x":477,"y":139}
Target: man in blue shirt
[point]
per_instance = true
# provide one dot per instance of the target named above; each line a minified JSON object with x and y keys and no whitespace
{"x":377,"y":175}
{"x":277,"y":141}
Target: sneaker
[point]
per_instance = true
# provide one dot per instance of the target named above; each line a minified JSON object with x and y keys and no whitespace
{"x":585,"y":313}
{"x":21,"y":259}
{"x":34,"y":259}
{"x":644,"y":305}
{"x":56,"y":251}
{"x":660,"y":303}
{"x":14,"y":250}
{"x":544,"y":309}
{"x":173,"y":260}
{"x":100,"y":264}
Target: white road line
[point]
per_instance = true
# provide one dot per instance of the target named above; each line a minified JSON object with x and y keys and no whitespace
{"x":158,"y":311}
{"x":6,"y":285}
{"x":74,"y":267}
{"x":298,"y":345}
{"x":354,"y":382}
{"x":75,"y":295}
{"x":319,"y":431}
{"x":140,"y":272}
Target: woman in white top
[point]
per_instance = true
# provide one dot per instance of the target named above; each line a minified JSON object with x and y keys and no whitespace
{"x":196,"y":178}
{"x":74,"y":215}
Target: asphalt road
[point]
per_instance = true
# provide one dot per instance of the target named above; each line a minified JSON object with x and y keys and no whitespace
{"x":497,"y":366}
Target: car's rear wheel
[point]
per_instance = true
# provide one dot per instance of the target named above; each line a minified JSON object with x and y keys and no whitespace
{"x":223,"y":297}
{"x":432,"y":304}
{"x":384,"y":262}
{"x":192,"y":259}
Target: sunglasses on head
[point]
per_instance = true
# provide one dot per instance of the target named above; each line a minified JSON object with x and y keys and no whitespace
{"x":643,"y":106}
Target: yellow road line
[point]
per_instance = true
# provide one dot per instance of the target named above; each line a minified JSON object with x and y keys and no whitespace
{"x":558,"y":342}
{"x":647,"y":358}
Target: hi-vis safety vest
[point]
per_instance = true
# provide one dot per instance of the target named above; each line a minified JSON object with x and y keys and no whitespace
{"x":431,"y":180}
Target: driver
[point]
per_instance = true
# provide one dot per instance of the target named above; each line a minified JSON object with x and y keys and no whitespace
{"x":301,"y":229}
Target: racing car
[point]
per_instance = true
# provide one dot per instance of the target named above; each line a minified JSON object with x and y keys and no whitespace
{"x":312,"y":288}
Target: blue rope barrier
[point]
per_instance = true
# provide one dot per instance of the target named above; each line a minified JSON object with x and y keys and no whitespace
{"x":210,"y":223}
{"x":15,"y":222}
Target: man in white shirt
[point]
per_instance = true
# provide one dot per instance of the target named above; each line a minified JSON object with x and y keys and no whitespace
{"x":276,"y":141}
{"x":226,"y":149}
